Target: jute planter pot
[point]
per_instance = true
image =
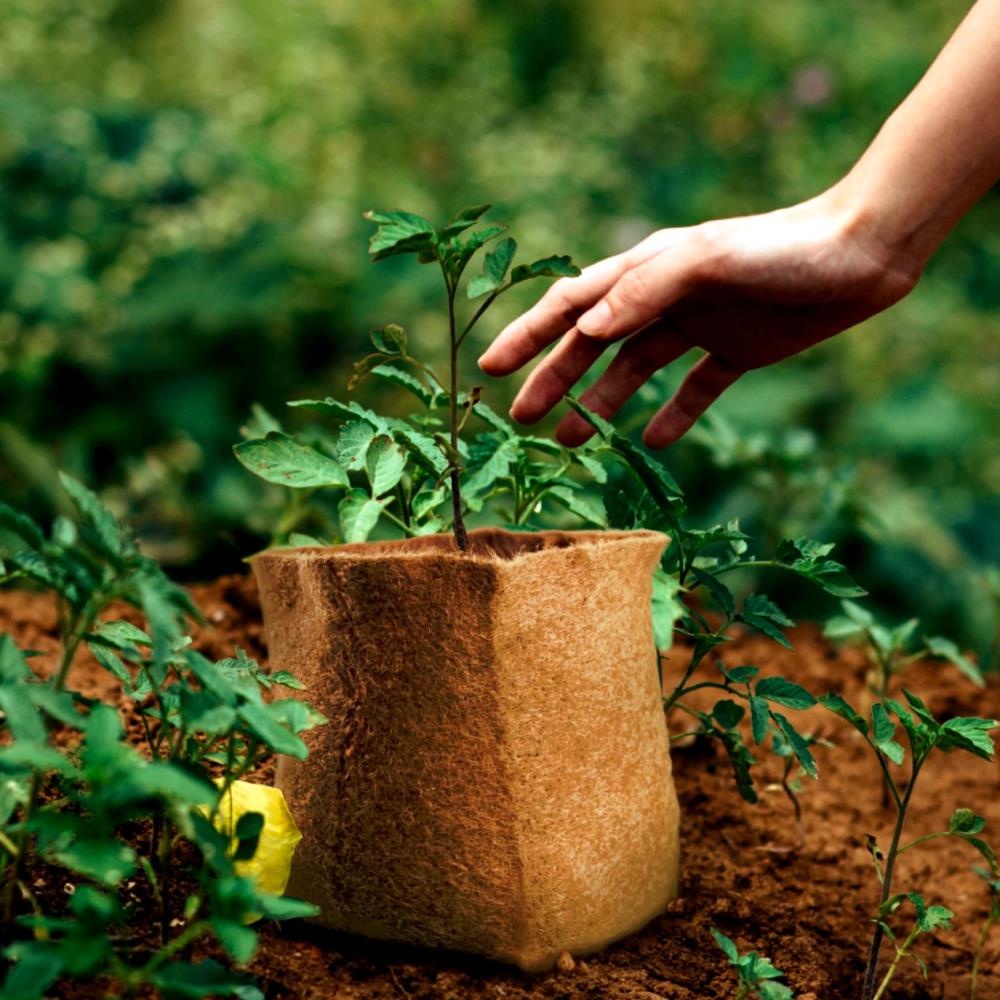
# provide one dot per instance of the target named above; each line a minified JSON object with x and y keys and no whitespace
{"x":495,"y":776}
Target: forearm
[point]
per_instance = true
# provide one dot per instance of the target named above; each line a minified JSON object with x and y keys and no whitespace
{"x":939,"y":152}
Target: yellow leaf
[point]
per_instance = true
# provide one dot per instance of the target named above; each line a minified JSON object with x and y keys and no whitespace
{"x":272,"y":862}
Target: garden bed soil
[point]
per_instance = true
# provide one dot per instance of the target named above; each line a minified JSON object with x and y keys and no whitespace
{"x":807,"y":908}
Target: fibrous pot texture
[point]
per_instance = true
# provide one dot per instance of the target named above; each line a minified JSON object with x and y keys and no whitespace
{"x":495,"y":775}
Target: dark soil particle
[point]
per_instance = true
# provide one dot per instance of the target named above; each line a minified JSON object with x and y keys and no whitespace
{"x":804,"y":899}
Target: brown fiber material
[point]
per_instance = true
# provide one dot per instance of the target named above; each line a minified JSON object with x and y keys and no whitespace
{"x":495,"y":776}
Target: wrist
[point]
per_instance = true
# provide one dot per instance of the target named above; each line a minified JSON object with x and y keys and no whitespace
{"x":898,"y":240}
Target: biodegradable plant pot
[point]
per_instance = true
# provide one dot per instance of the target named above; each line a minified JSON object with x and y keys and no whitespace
{"x":495,"y":775}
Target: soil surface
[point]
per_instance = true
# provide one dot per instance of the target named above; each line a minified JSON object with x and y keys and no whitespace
{"x":803,"y":898}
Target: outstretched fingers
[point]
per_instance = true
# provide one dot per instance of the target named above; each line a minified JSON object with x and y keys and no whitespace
{"x":644,"y":291}
{"x":555,"y":376}
{"x":702,"y":386}
{"x":637,"y":360}
{"x":552,"y":316}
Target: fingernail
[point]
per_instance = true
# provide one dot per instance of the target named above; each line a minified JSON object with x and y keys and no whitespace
{"x":595,"y":322}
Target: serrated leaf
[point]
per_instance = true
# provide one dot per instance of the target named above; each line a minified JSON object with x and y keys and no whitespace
{"x":970,"y":734}
{"x":107,"y":861}
{"x":94,"y":514}
{"x":462,"y":221}
{"x":947,"y":650}
{"x":784,"y":692}
{"x":384,"y":463}
{"x":720,"y":592}
{"x":799,"y":745}
{"x":834,"y":703}
{"x":728,"y":947}
{"x":359,"y":514}
{"x":741,"y":760}
{"x":401,"y":378}
{"x":282,"y":460}
{"x":586,"y":506}
{"x":965,"y":822}
{"x":22,"y":526}
{"x":495,"y":266}
{"x":389,"y":339}
{"x":399,"y":232}
{"x":558,"y":266}
{"x":883,"y":731}
{"x":759,"y":719}
{"x":728,"y":713}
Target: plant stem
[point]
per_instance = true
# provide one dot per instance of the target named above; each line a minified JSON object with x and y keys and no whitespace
{"x":868,"y":990}
{"x":980,"y":944}
{"x":901,"y":953}
{"x":458,"y":523}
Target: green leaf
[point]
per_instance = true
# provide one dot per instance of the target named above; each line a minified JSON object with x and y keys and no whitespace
{"x":808,"y":558}
{"x":282,"y":460}
{"x":883,"y":731}
{"x":22,"y":526}
{"x":331,"y":407}
{"x":728,"y":713}
{"x":283,"y":907}
{"x":239,"y":940}
{"x":964,"y":822}
{"x":491,"y":417}
{"x":720,"y":592}
{"x":799,"y":745}
{"x":263,"y":724}
{"x":490,"y":459}
{"x":422,"y":449}
{"x":401,"y":378}
{"x":834,"y":703}
{"x":13,"y":666}
{"x":21,"y":715}
{"x":359,"y":514}
{"x":384,"y":464}
{"x":585,"y":506}
{"x":389,"y":339}
{"x":36,"y":966}
{"x":399,"y":232}
{"x":107,"y":861}
{"x":727,"y":946}
{"x":759,"y":719}
{"x":95,"y":515}
{"x":495,"y":266}
{"x":170,"y":781}
{"x":741,"y":760}
{"x":352,"y":444}
{"x":970,"y":734}
{"x":547,"y":267}
{"x":121,"y":634}
{"x":285,"y":679}
{"x":738,"y":675}
{"x":785,"y":692}
{"x":947,"y":650}
{"x":462,"y":221}
{"x":300,"y":540}
{"x":203,"y":979}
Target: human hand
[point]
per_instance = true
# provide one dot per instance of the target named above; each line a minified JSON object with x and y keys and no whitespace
{"x":749,"y":291}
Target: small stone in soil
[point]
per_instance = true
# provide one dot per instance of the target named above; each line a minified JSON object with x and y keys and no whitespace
{"x":565,"y":963}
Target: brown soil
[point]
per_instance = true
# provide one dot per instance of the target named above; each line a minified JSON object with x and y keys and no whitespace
{"x":807,"y":908}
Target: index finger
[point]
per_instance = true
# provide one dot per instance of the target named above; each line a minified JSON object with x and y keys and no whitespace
{"x":552,"y":316}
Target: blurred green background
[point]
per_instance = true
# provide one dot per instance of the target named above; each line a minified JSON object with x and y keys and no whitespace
{"x":180,"y":236}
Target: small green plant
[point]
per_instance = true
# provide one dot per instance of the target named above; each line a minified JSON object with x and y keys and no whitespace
{"x":891,"y":649}
{"x":926,"y":919}
{"x":925,"y":736}
{"x":694,"y":565}
{"x":990,"y":877}
{"x":756,"y":976}
{"x":100,"y":811}
{"x":400,"y":467}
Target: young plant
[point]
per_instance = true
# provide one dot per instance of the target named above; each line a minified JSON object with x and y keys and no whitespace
{"x":926,"y":919}
{"x":693,"y":565}
{"x":82,"y":804}
{"x":407,"y":463}
{"x":925,"y":736}
{"x":756,"y":976}
{"x":891,"y":649}
{"x":992,"y":880}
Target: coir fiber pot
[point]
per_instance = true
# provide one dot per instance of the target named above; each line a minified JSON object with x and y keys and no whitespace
{"x":495,"y":775}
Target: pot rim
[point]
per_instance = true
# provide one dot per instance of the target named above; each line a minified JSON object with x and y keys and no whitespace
{"x":491,"y":547}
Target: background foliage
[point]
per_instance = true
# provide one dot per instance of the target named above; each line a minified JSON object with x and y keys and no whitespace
{"x":180,"y":236}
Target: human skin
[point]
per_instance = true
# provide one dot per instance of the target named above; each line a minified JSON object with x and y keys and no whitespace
{"x":752,"y":291}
